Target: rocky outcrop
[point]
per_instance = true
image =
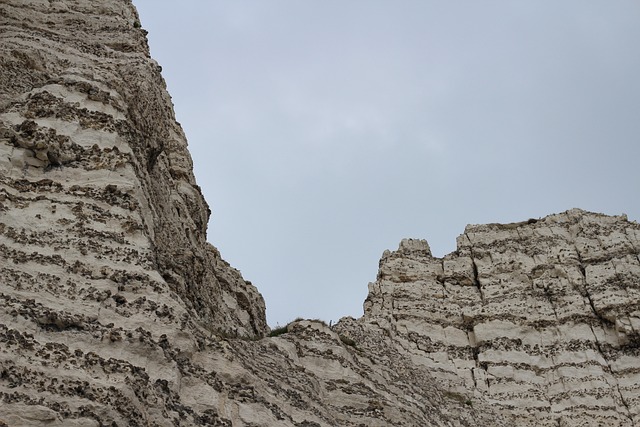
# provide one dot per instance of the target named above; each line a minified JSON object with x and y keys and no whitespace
{"x":114,"y":311}
{"x":104,"y":263}
{"x":540,"y":318}
{"x":96,"y":176}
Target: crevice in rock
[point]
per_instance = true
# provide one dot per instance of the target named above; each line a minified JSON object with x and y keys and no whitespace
{"x":474,"y":266}
{"x":476,"y":352}
{"x":476,"y":280}
{"x":473,"y":376}
{"x":583,"y":270}
{"x":585,"y":289}
{"x":549,"y":297}
{"x":603,"y":320}
{"x":615,"y":386}
{"x":624,"y":402}
{"x":440,"y":278}
{"x":154,"y":153}
{"x":594,"y":310}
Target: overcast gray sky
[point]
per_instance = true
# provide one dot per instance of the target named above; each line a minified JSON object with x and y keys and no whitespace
{"x":323,"y":132}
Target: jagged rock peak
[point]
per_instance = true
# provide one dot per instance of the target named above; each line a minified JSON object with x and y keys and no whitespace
{"x":414,"y":245}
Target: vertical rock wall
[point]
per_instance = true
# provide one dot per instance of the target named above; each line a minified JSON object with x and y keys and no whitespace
{"x":92,"y":157}
{"x":105,"y":273}
{"x":540,"y":318}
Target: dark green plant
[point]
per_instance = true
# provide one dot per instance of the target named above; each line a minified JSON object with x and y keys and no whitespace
{"x":279,"y":331}
{"x":136,"y":24}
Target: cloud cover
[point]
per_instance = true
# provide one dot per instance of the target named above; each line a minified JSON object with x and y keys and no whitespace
{"x":325,"y":132}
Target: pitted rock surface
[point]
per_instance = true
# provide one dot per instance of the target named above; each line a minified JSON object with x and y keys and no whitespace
{"x":115,"y":311}
{"x":540,"y":318}
{"x":103,"y":256}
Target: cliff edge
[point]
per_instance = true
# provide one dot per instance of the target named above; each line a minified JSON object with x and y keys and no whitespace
{"x":540,"y":319}
{"x":115,"y":311}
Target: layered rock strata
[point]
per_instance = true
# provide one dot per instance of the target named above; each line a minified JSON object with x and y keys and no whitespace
{"x":540,"y":319}
{"x":114,"y":311}
{"x":96,"y":179}
{"x":103,"y":254}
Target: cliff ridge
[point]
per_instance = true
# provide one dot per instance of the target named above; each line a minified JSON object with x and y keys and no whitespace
{"x":115,"y":311}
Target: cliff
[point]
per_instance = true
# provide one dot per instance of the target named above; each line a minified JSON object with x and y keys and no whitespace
{"x":114,"y":310}
{"x":540,"y":318}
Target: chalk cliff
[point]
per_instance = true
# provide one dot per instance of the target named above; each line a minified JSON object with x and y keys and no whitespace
{"x":540,"y":318}
{"x":115,"y":311}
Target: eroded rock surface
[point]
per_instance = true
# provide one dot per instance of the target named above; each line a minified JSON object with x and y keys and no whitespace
{"x":114,"y":311}
{"x":104,"y":263}
{"x":541,"y":319}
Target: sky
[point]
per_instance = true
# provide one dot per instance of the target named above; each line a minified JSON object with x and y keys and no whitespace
{"x":324,"y":132}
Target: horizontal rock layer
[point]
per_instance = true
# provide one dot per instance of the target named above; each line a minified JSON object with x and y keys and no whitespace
{"x":114,"y":310}
{"x":96,"y":178}
{"x":540,"y":318}
{"x":103,"y":254}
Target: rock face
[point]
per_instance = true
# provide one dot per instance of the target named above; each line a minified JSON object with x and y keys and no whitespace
{"x":114,"y":310}
{"x":96,"y":177}
{"x":541,"y":319}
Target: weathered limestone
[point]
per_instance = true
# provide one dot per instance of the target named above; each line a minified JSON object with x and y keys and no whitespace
{"x":103,"y":252}
{"x":95,"y":169}
{"x":114,"y":311}
{"x":538,"y":318}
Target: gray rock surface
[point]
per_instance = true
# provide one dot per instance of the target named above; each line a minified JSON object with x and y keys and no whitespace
{"x":540,"y":318}
{"x":115,"y":311}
